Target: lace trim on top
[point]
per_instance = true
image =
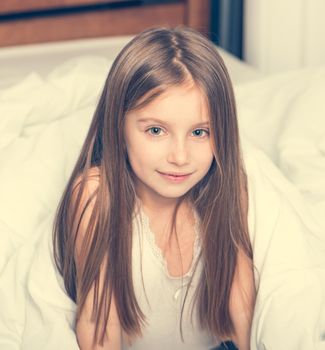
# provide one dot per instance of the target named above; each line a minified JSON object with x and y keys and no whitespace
{"x":157,"y":251}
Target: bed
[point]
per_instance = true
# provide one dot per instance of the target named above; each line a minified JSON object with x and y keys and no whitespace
{"x":48,"y":93}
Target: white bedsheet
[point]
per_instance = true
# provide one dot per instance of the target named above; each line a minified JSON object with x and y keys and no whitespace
{"x":43,"y":123}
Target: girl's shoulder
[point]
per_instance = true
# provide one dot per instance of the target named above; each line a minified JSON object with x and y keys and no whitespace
{"x":84,"y":190}
{"x":93,"y":173}
{"x":91,"y":176}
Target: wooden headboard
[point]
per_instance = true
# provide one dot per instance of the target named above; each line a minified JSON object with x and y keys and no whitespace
{"x":36,"y":21}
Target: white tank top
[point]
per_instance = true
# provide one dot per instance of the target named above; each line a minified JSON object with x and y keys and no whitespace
{"x":165,"y":295}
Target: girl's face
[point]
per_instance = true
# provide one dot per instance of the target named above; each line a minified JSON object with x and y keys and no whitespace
{"x":170,"y":135}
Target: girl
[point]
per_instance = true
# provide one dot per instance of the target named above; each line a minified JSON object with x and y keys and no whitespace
{"x":151,"y":235}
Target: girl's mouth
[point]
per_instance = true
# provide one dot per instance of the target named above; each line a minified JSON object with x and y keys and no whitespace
{"x":174,"y":177}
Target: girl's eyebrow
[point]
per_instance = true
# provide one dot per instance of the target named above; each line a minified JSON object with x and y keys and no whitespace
{"x":155,"y":120}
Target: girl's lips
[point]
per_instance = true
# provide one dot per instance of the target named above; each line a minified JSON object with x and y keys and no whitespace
{"x":174,"y":178}
{"x":174,"y":174}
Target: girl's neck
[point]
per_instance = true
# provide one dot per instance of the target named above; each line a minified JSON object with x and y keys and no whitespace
{"x":164,"y":210}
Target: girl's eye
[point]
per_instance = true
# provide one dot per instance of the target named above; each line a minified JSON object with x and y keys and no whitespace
{"x":154,"y":130}
{"x":200,"y":132}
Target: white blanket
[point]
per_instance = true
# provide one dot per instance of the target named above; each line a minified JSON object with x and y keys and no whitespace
{"x":43,"y":124}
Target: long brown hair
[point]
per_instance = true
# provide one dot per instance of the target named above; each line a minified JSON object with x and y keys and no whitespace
{"x":153,"y":61}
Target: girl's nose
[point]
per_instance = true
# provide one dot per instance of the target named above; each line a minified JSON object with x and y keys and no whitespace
{"x":178,"y":153}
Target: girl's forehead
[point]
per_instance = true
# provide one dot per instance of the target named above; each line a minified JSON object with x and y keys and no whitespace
{"x":186,"y":99}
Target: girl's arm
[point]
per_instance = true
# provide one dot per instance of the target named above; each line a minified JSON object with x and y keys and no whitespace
{"x":85,"y":327}
{"x":242,"y":301}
